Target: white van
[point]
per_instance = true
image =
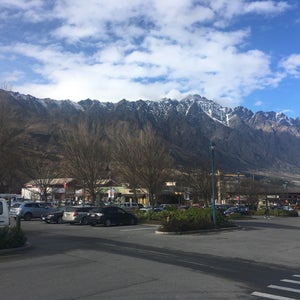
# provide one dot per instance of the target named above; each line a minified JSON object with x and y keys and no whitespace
{"x":4,"y":214}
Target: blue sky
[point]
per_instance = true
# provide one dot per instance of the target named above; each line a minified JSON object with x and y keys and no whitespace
{"x":236,"y":52}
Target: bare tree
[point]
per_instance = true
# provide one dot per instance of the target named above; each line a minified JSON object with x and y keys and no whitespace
{"x":124,"y":156}
{"x":10,"y":166}
{"x":143,"y":160}
{"x":199,"y":180}
{"x":86,"y":155}
{"x":42,"y":170}
{"x":154,"y":160}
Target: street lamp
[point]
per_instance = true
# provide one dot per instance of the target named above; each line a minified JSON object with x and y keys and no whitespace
{"x":239,"y":189}
{"x":212,"y":152}
{"x":286,"y":201}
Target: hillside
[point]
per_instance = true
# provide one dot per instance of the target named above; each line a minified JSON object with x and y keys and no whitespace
{"x":261,"y":143}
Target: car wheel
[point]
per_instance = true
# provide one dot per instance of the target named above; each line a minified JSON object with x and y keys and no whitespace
{"x":107,"y":222}
{"x":83,"y":221}
{"x":59,"y":220}
{"x":92,"y":224}
{"x":27,"y":216}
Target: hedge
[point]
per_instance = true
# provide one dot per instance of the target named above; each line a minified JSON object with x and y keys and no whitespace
{"x":12,"y":237}
{"x":191,"y":219}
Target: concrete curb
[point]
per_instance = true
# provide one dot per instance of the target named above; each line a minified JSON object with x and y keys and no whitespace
{"x":204,"y":231}
{"x":12,"y":250}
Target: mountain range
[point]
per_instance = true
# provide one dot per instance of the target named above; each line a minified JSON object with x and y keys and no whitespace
{"x":258,"y":143}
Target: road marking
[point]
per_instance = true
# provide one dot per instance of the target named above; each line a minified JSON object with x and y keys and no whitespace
{"x":270,"y":296}
{"x":278,"y":287}
{"x":282,"y":288}
{"x":290,"y":281}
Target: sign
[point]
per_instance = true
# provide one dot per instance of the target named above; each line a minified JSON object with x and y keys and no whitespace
{"x":111,"y":193}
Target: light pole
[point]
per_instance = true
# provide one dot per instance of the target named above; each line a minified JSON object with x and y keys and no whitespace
{"x":239,"y":189}
{"x":286,"y":201}
{"x":212,"y":152}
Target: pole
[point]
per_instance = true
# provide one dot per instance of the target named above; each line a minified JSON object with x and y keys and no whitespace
{"x":212,"y":151}
{"x":239,"y":189}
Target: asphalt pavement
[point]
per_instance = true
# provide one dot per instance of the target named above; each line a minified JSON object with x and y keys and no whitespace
{"x":258,"y":261}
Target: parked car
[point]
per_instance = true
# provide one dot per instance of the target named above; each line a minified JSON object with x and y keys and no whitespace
{"x":76,"y":214}
{"x":110,"y":215}
{"x":4,"y":213}
{"x":223,"y":207}
{"x":28,"y":210}
{"x":242,"y":210}
{"x":54,"y":216}
{"x":146,"y":209}
{"x":129,"y":206}
{"x":287,"y":207}
{"x":15,"y":200}
{"x":151,"y":209}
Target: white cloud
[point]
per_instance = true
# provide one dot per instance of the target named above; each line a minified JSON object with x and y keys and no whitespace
{"x":291,"y":65}
{"x":273,"y":7}
{"x":139,"y":49}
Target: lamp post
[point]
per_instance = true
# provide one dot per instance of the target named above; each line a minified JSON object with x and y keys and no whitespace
{"x":212,"y":152}
{"x":239,"y":189}
{"x":286,"y":201}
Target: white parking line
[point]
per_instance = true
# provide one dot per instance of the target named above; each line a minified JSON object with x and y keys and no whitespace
{"x":270,"y":296}
{"x":296,"y":275}
{"x":290,"y":281}
{"x":278,"y":287}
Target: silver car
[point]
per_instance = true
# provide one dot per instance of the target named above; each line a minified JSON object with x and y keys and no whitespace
{"x":28,"y":210}
{"x":76,"y":214}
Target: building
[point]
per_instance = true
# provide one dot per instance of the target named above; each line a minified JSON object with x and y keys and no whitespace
{"x":51,"y":190}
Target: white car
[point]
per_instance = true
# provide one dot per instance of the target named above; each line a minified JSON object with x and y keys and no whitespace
{"x":287,"y":207}
{"x":129,"y":206}
{"x":4,"y":213}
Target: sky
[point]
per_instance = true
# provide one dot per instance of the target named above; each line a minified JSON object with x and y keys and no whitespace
{"x":237,"y":52}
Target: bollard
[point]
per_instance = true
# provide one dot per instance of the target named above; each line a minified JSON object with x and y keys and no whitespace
{"x":18,"y":222}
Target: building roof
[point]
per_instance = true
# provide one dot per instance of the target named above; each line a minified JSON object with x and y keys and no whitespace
{"x":54,"y":181}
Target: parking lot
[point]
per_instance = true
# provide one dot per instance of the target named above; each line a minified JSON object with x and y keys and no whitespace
{"x":132,"y":262}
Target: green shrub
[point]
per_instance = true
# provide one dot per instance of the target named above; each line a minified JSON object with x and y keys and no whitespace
{"x":277,"y":213}
{"x":12,"y":237}
{"x":191,"y":219}
{"x":292,"y":213}
{"x":148,"y":216}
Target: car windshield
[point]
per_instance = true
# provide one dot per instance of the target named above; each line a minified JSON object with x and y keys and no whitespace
{"x":16,"y":205}
{"x":70,"y":208}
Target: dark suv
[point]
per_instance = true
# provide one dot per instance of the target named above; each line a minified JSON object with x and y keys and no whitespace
{"x":29,"y":210}
{"x":110,"y":215}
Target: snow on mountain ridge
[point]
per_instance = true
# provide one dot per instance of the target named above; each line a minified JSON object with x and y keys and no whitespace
{"x":162,"y":107}
{"x":45,"y":101}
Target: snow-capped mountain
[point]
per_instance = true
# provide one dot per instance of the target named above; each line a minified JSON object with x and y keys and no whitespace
{"x":261,"y":141}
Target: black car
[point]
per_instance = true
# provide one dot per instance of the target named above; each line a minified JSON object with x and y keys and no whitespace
{"x":110,"y":215}
{"x":55,"y":216}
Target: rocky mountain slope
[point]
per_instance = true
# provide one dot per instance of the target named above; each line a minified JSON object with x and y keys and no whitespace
{"x":262,"y":142}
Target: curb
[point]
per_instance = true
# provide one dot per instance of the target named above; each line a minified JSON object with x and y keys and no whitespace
{"x":12,"y":250}
{"x":204,"y":231}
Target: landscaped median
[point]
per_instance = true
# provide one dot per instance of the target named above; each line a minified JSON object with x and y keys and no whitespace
{"x":194,"y":219}
{"x":12,"y":237}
